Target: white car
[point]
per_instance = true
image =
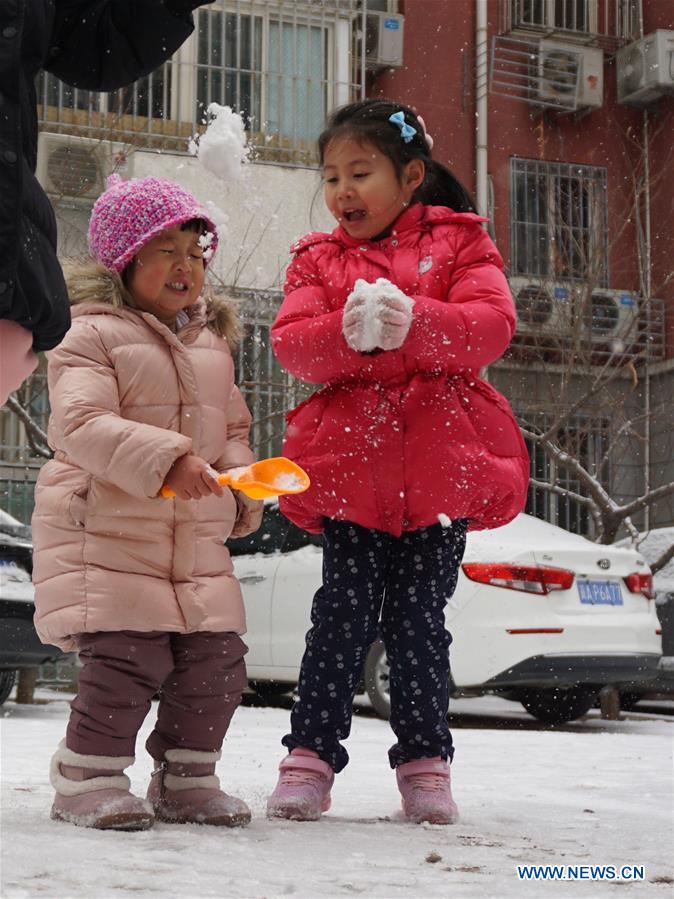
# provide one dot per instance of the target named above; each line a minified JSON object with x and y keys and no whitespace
{"x":539,"y":615}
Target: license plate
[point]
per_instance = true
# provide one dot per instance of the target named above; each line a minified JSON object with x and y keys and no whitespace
{"x":597,"y":593}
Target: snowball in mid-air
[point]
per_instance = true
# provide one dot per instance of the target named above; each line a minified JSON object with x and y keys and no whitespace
{"x":222,"y":148}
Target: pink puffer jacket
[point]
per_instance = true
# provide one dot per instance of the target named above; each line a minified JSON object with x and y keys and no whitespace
{"x":397,"y":440}
{"x":128,"y":397}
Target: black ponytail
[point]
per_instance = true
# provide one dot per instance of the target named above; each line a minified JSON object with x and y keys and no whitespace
{"x":368,"y":120}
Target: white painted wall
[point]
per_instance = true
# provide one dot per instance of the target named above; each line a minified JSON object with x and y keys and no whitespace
{"x":267,"y":211}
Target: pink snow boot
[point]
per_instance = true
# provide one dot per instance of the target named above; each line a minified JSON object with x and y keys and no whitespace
{"x":426,"y":792}
{"x":184,"y":789}
{"x":92,"y":791}
{"x":303,"y":788}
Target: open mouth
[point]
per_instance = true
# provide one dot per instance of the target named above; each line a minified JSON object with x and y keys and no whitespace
{"x":178,"y":286}
{"x":354,"y":215}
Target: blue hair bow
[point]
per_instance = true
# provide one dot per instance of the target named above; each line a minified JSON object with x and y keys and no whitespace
{"x":407,"y":132}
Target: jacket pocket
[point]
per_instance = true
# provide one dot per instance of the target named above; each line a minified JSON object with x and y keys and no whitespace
{"x":77,"y":506}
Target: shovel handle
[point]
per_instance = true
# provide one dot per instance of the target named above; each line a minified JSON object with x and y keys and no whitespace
{"x":167,"y":493}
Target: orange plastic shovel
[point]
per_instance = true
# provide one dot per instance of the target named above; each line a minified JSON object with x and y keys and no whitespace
{"x":269,"y":477}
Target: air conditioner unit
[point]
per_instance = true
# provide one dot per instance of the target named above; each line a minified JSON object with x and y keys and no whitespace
{"x":384,"y":40}
{"x":543,"y":309}
{"x":75,"y":168}
{"x":645,"y":69}
{"x":613,"y":318}
{"x":569,"y":76}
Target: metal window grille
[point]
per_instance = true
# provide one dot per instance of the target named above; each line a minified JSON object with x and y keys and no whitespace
{"x":610,"y":23}
{"x":269,"y":391}
{"x":282,"y":64}
{"x":229,"y":63}
{"x":587,"y":440}
{"x":559,"y":221}
{"x":568,"y":15}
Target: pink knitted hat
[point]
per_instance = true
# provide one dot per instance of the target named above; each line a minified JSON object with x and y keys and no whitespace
{"x":130,"y":213}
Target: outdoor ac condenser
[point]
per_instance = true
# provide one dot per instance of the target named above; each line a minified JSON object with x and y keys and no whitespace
{"x":613,"y":316}
{"x":645,"y":69}
{"x":543,"y":308}
{"x":384,"y":40}
{"x":75,"y":168}
{"x":570,"y":76}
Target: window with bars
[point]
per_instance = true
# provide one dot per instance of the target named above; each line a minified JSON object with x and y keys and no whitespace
{"x":282,"y":65}
{"x":587,"y":440}
{"x":558,"y":15}
{"x":229,"y":63}
{"x":558,"y":221}
{"x":149,"y":96}
{"x":271,"y":69}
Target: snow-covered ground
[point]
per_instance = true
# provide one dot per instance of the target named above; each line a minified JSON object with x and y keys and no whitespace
{"x":592,"y":793}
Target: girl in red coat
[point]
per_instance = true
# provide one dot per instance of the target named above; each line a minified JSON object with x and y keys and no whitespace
{"x":394,"y":312}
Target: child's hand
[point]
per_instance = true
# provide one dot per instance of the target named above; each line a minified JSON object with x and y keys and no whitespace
{"x":376,"y":315}
{"x":358,"y":326}
{"x":191,"y":477}
{"x":395,"y":317}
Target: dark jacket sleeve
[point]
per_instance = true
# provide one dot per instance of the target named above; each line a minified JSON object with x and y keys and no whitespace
{"x":105,"y":44}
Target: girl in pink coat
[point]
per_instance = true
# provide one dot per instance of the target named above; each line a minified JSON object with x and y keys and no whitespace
{"x":394,"y":312}
{"x":143,"y":396}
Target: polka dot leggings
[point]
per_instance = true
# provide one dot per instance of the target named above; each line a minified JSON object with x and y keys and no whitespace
{"x":375,"y":583}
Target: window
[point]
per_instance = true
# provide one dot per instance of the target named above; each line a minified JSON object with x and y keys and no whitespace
{"x":587,"y":440}
{"x":272,"y":68}
{"x":149,"y":97}
{"x":558,"y":216}
{"x":229,"y":63}
{"x":52,"y":92}
{"x":557,"y":15}
{"x":282,"y":65}
{"x":297,"y":80}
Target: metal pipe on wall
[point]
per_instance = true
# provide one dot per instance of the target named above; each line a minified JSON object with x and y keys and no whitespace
{"x":481,"y":111}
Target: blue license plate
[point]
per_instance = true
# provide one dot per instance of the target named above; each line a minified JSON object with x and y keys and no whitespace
{"x":600,"y":593}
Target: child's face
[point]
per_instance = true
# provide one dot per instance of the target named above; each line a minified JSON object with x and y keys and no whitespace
{"x":168,"y":274}
{"x":362,"y":190}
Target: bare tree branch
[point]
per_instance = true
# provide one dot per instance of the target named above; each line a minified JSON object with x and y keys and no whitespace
{"x":664,"y":559}
{"x":36,"y":436}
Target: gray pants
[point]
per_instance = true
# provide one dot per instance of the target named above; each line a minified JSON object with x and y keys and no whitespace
{"x":199,"y":678}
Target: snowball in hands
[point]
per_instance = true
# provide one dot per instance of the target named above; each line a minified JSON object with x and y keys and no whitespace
{"x":376,"y":315}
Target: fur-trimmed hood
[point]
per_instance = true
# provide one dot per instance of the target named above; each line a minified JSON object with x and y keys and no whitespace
{"x":90,"y":283}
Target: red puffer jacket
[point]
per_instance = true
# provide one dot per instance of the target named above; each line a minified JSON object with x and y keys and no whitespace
{"x":396,"y":439}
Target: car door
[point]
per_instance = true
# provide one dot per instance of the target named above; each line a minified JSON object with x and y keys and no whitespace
{"x":298,"y":576}
{"x":256,"y":558}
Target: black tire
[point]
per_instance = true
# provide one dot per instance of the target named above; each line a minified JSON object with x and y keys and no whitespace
{"x":376,"y":679}
{"x":629,"y":700}
{"x":557,"y":705}
{"x":7,"y":679}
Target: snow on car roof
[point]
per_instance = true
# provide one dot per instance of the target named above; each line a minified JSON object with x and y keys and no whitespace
{"x":6,"y":518}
